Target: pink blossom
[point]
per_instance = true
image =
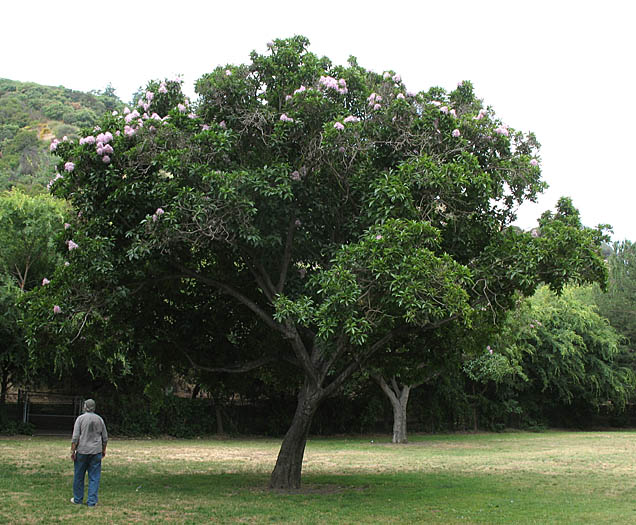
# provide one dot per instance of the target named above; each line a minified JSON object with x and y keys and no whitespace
{"x":106,"y":159}
{"x":72,"y":245}
{"x":54,"y":144}
{"x":57,"y":309}
{"x":534,"y":162}
{"x":288,"y":98}
{"x":270,"y":44}
{"x":400,"y":96}
{"x":377,"y":106}
{"x":297,"y":223}
{"x":436,"y":103}
{"x":378,"y":236}
{"x":159,"y":212}
{"x":481,"y":114}
{"x":205,"y":127}
{"x":341,"y":149}
{"x":397,"y":78}
{"x":489,"y":349}
{"x":126,"y":110}
{"x":502,"y":130}
{"x":228,"y":73}
{"x":114,"y":113}
{"x":453,"y":113}
{"x":342,"y":82}
{"x":339,"y":126}
{"x":285,"y":118}
{"x":223,"y":125}
{"x":192,"y":115}
{"x":100,"y":150}
{"x":371,"y":98}
{"x":300,"y":90}
{"x":444,"y":109}
{"x":386,"y":75}
{"x":181,"y":108}
{"x":66,"y":263}
{"x":66,"y":225}
{"x":295,"y":175}
{"x":351,"y":118}
{"x":163,"y":88}
{"x":155,"y":116}
{"x":128,"y":131}
{"x":69,"y":166}
{"x":45,"y":281}
{"x":149,"y":96}
{"x":108,"y":136}
{"x":456,"y":133}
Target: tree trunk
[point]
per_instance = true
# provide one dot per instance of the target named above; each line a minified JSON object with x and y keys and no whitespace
{"x":219,"y":419}
{"x":399,"y":398}
{"x":286,"y":474}
{"x":4,"y":385}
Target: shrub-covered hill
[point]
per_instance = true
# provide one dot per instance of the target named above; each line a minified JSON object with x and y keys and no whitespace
{"x":30,"y":116}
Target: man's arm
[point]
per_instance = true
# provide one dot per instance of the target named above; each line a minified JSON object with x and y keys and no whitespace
{"x":75,"y":438}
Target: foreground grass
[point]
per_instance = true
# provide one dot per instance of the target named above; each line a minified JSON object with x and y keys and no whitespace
{"x":554,"y":477}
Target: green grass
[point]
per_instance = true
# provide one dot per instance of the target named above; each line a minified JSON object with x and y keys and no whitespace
{"x":552,"y":477}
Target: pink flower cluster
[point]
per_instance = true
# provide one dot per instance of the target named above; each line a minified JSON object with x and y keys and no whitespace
{"x":339,"y":126}
{"x":534,"y":162}
{"x":481,"y":114}
{"x":57,"y":177}
{"x":69,"y":166}
{"x":45,"y":281}
{"x":53,"y":145}
{"x":456,"y":133}
{"x":72,"y":245}
{"x":502,"y":130}
{"x":331,"y":83}
{"x":158,"y":213}
{"x":57,"y":310}
{"x":351,"y":118}
{"x":103,"y":147}
{"x":300,"y":90}
{"x":285,"y":118}
{"x":163,"y":88}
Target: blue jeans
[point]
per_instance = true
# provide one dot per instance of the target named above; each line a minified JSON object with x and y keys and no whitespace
{"x":91,"y":463}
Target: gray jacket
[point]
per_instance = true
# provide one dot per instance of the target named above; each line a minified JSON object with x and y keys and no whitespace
{"x":89,"y":433}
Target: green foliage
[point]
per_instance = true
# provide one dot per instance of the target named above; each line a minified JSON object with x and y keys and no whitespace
{"x":30,"y":116}
{"x":618,"y":302}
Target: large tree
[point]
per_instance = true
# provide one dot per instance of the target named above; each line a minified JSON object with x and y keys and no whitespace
{"x":337,"y":208}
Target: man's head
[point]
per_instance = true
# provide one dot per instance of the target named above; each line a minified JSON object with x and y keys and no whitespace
{"x":89,"y":405}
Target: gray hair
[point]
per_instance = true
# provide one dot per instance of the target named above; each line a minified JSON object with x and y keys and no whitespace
{"x":89,"y":405}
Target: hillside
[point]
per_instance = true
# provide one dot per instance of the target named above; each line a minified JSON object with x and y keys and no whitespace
{"x":30,"y":116}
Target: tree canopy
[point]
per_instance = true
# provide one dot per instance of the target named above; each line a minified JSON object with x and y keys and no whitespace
{"x":328,"y":204}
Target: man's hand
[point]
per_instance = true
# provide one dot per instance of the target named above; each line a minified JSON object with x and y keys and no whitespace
{"x":73,"y":455}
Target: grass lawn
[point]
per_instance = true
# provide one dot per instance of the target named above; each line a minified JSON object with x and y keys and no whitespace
{"x":552,"y":477}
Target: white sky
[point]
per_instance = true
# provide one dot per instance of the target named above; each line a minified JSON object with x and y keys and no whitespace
{"x":563,"y":69}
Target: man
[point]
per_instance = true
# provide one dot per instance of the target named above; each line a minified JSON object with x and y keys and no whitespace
{"x":88,"y":447}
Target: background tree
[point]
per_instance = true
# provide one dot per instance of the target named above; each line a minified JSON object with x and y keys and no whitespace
{"x":570,"y":355}
{"x":335,"y":207}
{"x":28,"y":256}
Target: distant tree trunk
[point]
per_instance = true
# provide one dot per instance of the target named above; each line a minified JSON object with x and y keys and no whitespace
{"x":4,"y":385}
{"x":219,"y":419}
{"x":195,"y":391}
{"x":399,"y":398}
{"x":286,"y":474}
